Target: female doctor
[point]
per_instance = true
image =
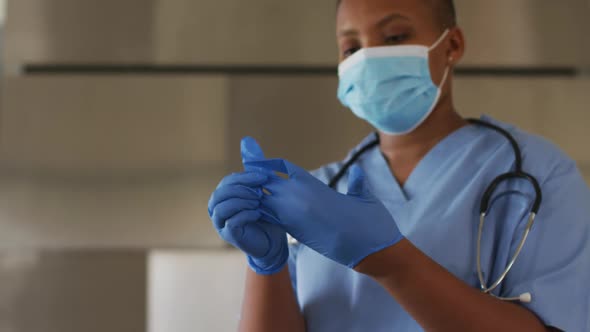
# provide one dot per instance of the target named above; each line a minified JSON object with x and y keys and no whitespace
{"x":417,"y":233}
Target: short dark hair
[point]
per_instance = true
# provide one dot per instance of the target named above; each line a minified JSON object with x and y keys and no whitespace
{"x":444,"y":11}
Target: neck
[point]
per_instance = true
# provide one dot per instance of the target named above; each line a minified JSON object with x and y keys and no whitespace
{"x":403,"y":152}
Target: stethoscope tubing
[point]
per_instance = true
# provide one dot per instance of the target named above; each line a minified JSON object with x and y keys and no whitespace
{"x":518,"y":173}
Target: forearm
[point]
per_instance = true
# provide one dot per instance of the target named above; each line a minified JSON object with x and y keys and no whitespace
{"x":270,"y":304}
{"x":439,"y":301}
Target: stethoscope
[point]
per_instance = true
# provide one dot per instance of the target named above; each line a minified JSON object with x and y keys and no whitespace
{"x":518,"y":173}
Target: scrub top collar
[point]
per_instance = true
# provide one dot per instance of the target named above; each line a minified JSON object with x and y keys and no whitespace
{"x":386,"y":187}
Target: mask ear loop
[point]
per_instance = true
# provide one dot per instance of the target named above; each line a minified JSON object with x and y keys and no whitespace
{"x":444,"y":79}
{"x":435,"y":45}
{"x":440,"y":39}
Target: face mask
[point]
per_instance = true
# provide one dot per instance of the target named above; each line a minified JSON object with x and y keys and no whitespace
{"x":390,"y":86}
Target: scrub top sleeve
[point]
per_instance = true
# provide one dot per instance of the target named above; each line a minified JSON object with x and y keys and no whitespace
{"x":292,"y":264}
{"x":554,"y":265}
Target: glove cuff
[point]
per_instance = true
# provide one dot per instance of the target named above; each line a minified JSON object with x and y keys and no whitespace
{"x":358,"y":260}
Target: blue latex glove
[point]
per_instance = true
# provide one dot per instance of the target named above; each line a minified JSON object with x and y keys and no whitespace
{"x":234,"y":208}
{"x":344,"y":228}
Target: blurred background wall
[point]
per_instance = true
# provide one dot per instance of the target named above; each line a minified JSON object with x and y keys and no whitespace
{"x":118,"y":118}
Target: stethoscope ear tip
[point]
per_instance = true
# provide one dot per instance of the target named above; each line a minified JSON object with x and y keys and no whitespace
{"x":525,"y":298}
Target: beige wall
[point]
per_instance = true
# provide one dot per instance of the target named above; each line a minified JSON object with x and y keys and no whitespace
{"x":100,"y":162}
{"x":85,"y":31}
{"x":239,"y":32}
{"x":97,"y":163}
{"x":524,"y":32}
{"x":109,"y":124}
{"x":501,"y":32}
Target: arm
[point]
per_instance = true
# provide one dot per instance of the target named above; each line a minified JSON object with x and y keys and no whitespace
{"x":556,"y":257}
{"x":270,"y":304}
{"x":554,"y":264}
{"x":437,"y":299}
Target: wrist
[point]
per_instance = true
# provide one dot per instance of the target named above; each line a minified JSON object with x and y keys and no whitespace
{"x":384,"y":263}
{"x":262,"y":268}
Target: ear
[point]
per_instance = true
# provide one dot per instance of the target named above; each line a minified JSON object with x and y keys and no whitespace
{"x":457,"y":46}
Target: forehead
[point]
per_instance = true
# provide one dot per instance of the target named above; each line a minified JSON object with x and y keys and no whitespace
{"x":358,"y":13}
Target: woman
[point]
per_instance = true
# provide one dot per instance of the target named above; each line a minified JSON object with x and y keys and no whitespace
{"x":396,"y":249}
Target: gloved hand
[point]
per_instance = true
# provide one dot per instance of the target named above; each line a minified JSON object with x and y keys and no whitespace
{"x":344,"y":228}
{"x":234,"y":208}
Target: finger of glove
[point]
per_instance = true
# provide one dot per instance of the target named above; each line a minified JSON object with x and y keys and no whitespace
{"x":268,"y":216}
{"x":277,"y":165}
{"x":232,"y":191}
{"x":246,"y":232}
{"x":249,"y":179}
{"x":251,"y":150}
{"x":227,"y":209}
{"x":275,"y":199}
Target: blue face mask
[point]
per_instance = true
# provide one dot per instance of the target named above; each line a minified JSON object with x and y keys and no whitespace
{"x":390,"y":87}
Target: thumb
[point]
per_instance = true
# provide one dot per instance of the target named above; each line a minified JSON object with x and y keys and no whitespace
{"x":357,"y":184}
{"x":251,"y":151}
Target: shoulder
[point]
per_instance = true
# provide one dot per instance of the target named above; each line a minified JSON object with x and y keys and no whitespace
{"x":540,"y":157}
{"x":327,"y":172}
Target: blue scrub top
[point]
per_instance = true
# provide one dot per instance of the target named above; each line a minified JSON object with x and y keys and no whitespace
{"x":438,"y":211}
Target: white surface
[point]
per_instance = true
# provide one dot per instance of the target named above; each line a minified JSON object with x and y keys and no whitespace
{"x":195,"y":291}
